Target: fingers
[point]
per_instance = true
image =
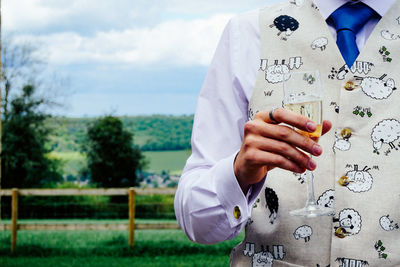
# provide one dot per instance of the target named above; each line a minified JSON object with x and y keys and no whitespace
{"x":272,"y":160}
{"x":284,"y":134}
{"x":290,"y":153}
{"x":289,"y":117}
{"x":326,"y":126}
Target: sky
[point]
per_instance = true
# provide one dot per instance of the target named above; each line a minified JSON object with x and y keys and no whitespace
{"x":125,"y":57}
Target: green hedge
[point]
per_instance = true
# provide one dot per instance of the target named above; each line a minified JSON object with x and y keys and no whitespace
{"x":95,"y":207}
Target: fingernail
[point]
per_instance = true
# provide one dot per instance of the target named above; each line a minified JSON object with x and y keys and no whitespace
{"x":317,"y":149}
{"x":311,"y":165}
{"x":311,"y":126}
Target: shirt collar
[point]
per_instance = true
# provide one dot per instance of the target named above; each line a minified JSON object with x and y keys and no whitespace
{"x":326,"y":7}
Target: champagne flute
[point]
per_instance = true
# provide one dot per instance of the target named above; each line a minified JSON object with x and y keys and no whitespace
{"x":303,"y":95}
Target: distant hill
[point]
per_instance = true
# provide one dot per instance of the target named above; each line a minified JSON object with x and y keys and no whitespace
{"x":151,"y":133}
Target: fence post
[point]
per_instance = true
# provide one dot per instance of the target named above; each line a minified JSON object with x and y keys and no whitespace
{"x":131,"y":217}
{"x":14,"y":218}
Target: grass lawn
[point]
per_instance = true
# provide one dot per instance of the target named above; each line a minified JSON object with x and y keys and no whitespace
{"x":172,"y":161}
{"x":72,"y":161}
{"x":200,"y":260}
{"x":109,"y":248}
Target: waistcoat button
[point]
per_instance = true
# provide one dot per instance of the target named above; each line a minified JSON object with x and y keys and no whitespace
{"x":350,"y":86}
{"x":340,"y":232}
{"x":236,"y":212}
{"x":344,"y":181}
{"x":346,"y":133}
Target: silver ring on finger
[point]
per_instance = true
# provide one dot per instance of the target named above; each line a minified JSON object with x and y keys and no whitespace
{"x":271,"y":116}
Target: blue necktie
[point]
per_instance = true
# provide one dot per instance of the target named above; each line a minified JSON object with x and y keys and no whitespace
{"x":348,"y":20}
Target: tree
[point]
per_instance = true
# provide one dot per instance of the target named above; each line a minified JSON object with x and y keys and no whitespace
{"x":112,"y":158}
{"x":25,"y":63}
{"x":24,"y":136}
{"x":21,"y":63}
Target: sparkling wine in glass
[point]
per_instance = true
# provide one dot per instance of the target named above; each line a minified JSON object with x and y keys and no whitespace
{"x":303,"y":95}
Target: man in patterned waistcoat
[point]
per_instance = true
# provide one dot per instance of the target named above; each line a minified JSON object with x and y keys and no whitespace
{"x":247,"y":163}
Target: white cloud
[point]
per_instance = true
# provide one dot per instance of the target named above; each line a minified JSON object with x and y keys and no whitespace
{"x":74,"y":15}
{"x":176,"y":42}
{"x":212,"y":6}
{"x":29,"y":13}
{"x":92,"y":15}
{"x":123,"y":31}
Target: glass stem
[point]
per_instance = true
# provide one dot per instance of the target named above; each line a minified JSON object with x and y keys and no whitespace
{"x":310,"y":189}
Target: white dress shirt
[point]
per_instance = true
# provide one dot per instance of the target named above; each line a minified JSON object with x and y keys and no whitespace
{"x":208,"y":190}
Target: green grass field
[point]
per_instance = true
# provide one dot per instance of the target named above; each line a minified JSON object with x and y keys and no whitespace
{"x":72,"y":161}
{"x":171,"y":161}
{"x":109,"y":248}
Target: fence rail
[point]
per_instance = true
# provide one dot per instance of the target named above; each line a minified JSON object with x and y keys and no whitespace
{"x":131,"y":226}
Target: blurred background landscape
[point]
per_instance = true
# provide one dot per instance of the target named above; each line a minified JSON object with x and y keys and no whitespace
{"x":100,"y":94}
{"x":163,"y":139}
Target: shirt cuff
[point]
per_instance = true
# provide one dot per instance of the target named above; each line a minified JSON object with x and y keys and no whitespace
{"x":237,"y":206}
{"x":254,"y":191}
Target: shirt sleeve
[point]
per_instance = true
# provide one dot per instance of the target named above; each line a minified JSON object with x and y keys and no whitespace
{"x":208,"y":191}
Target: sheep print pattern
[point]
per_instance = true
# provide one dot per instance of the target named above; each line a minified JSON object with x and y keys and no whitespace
{"x":362,"y":149}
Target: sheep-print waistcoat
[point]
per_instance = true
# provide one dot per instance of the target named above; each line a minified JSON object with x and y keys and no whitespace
{"x":363,"y":147}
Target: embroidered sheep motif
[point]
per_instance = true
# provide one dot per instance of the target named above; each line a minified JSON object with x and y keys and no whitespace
{"x":327,"y":199}
{"x":276,"y":73}
{"x":286,"y":24}
{"x":386,"y":34}
{"x":304,"y":232}
{"x":271,"y":198}
{"x":263,"y":259}
{"x":320,"y":43}
{"x":387,"y":224}
{"x":359,"y":181}
{"x":377,"y":88}
{"x":342,"y":143}
{"x":385,"y":132}
{"x":349,"y":221}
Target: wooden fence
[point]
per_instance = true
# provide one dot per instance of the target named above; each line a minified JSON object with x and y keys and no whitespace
{"x":131,"y":226}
